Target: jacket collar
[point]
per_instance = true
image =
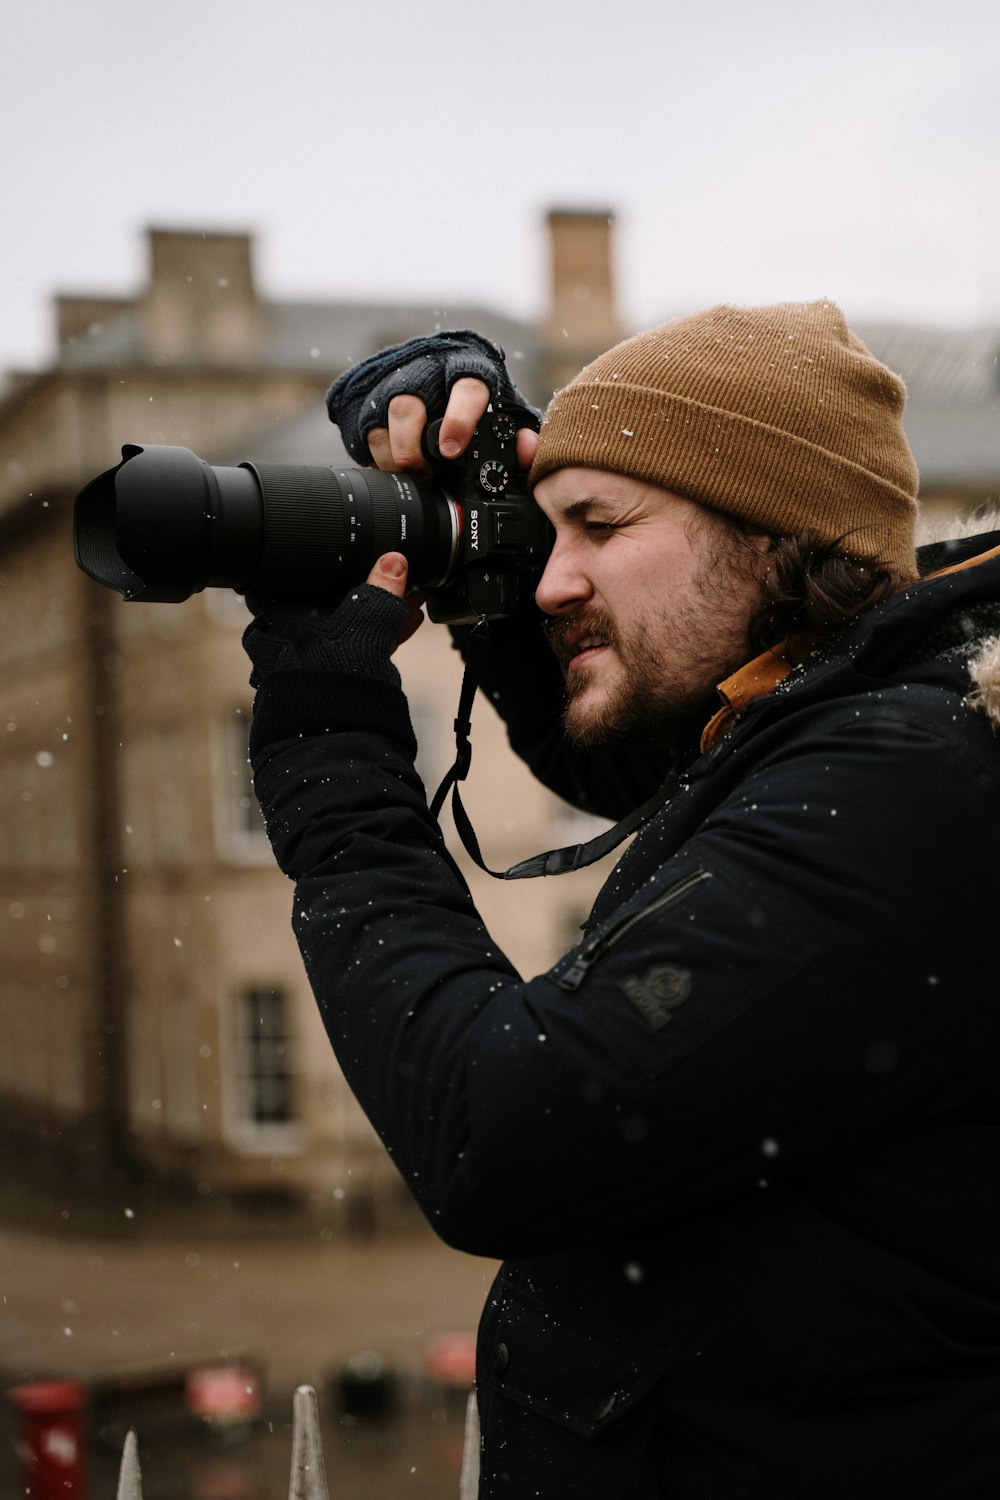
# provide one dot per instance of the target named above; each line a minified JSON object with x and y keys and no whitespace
{"x":759,"y":678}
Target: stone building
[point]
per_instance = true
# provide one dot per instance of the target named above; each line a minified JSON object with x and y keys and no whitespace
{"x":153,"y":1009}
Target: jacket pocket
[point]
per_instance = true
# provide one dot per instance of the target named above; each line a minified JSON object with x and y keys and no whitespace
{"x":609,"y":937}
{"x":689,"y":961}
{"x":559,"y":1368}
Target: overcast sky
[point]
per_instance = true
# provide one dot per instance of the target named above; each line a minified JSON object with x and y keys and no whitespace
{"x":752,"y":150}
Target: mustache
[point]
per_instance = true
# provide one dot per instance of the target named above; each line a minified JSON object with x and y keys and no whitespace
{"x":587,"y":621}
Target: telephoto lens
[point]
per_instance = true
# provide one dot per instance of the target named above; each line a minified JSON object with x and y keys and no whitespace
{"x":164,"y":524}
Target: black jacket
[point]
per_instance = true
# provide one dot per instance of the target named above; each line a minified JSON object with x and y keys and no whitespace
{"x":740,"y":1148}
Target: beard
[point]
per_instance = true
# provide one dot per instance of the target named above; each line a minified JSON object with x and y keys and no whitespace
{"x":669,"y":660}
{"x":645,"y":706}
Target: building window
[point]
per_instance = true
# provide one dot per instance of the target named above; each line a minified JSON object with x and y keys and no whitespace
{"x":264,"y":1058}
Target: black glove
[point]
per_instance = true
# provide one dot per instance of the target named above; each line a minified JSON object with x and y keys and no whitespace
{"x":353,"y":636}
{"x":426,"y":367}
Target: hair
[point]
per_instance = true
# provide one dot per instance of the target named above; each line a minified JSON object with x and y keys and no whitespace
{"x":812,"y":587}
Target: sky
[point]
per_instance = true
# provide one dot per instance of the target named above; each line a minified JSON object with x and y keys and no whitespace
{"x":750,"y":150}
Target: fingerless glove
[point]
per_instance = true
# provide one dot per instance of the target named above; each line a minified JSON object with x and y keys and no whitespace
{"x":426,"y":367}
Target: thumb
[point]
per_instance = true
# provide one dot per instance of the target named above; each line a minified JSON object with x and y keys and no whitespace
{"x":389,"y":573}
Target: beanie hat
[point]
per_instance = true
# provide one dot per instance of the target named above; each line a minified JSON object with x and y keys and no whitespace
{"x":778,"y":415}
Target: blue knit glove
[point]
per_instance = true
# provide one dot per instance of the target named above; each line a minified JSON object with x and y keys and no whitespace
{"x":427,"y":367}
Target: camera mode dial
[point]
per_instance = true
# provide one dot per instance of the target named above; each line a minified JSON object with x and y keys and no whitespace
{"x":493,"y":476}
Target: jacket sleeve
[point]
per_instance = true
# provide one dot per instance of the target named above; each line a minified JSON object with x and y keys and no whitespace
{"x":771,"y":997}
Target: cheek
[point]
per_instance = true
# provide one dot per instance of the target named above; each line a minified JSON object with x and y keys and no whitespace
{"x":656,"y":579}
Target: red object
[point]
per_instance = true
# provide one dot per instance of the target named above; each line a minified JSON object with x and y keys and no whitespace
{"x":50,"y":1441}
{"x":224,"y":1393}
{"x":450,"y":1359}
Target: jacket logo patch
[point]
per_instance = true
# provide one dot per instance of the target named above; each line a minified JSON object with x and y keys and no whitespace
{"x":658,"y":993}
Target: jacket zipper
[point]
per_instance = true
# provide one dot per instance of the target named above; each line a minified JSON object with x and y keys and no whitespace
{"x":577,"y":973}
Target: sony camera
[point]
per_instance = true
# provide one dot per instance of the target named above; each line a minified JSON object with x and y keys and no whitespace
{"x":164,"y":524}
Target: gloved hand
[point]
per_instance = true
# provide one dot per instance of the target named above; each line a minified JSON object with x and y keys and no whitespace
{"x":356,"y":635}
{"x":427,"y":367}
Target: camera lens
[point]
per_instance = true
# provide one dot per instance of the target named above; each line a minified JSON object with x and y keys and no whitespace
{"x":164,"y":524}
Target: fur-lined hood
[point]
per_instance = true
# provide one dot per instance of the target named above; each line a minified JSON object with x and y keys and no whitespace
{"x":945,"y":628}
{"x":984,"y":669}
{"x":983,"y":659}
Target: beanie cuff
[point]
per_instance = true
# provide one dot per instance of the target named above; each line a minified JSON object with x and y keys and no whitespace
{"x":767,"y":476}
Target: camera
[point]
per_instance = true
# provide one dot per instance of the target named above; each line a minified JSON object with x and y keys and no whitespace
{"x":164,"y":524}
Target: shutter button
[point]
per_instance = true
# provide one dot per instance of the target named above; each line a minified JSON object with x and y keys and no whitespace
{"x":499,"y":1358}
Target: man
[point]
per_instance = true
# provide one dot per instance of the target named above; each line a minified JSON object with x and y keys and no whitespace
{"x":738,"y":1149}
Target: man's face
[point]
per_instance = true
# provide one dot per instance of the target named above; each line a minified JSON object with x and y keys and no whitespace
{"x":650,"y":596}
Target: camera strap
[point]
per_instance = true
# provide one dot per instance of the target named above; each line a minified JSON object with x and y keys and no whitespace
{"x":556,"y":861}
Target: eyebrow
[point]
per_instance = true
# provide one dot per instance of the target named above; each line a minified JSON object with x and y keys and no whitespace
{"x":579,"y":508}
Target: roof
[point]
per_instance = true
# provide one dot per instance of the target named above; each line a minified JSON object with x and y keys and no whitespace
{"x":939,"y":364}
{"x":952,"y":375}
{"x":308,"y":437}
{"x":297,"y":335}
{"x":952,"y":414}
{"x":338,"y":334}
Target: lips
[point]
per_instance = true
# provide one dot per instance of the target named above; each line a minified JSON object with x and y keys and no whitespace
{"x":585,"y":648}
{"x":578,"y":643}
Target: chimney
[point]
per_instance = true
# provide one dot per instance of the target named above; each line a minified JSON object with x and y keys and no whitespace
{"x":201,"y":306}
{"x":582,"y":320}
{"x":79,"y":318}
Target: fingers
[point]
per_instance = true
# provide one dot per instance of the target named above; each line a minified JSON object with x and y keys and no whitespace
{"x":468,"y":400}
{"x":398,"y":445}
{"x":389,"y":573}
{"x":380,"y":448}
{"x":527,"y":447}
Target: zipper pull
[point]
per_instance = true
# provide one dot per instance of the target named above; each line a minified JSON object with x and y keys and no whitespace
{"x":577,"y":972}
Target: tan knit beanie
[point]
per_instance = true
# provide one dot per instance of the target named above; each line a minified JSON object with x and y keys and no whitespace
{"x":775,"y":414}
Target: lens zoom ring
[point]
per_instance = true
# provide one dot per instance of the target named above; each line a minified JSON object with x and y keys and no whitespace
{"x":305,"y":528}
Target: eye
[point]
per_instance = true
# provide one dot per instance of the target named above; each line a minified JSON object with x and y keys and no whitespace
{"x":601,"y":528}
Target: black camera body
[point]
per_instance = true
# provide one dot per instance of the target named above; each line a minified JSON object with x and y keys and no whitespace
{"x":163,"y":524}
{"x":502,"y":534}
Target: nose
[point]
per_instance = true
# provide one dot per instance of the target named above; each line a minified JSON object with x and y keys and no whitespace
{"x":563,"y":584}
